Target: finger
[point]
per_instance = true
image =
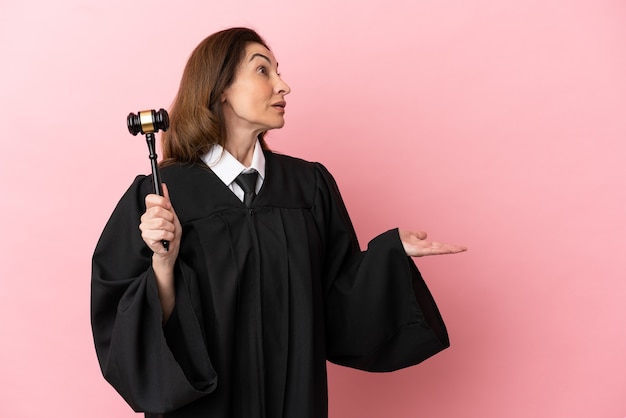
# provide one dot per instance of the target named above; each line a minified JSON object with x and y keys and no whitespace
{"x":156,"y":223}
{"x":441,"y":248}
{"x":166,"y":193}
{"x":154,"y":237}
{"x":411,"y":237}
{"x":420,"y":234}
{"x":157,"y":215}
{"x":425,"y":248}
{"x":157,"y":235}
{"x":152,"y":200}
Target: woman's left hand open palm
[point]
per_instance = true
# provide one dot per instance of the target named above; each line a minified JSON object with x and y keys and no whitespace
{"x":416,"y":245}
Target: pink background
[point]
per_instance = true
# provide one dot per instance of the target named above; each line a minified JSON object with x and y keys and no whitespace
{"x":500,"y":125}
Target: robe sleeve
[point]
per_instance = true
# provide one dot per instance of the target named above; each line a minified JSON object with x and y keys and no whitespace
{"x":156,"y":369}
{"x":380,"y":315}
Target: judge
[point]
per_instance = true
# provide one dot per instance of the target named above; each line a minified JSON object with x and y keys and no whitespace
{"x":264,"y":279}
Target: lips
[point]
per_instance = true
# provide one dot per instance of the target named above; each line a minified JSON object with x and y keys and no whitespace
{"x":280,"y":105}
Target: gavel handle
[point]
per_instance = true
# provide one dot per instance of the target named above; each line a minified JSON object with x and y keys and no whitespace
{"x":156,"y":178}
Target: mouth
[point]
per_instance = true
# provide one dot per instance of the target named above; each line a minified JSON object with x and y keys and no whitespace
{"x":280,"y":105}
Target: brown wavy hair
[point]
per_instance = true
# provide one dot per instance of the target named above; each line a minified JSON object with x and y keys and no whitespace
{"x":196,"y":115}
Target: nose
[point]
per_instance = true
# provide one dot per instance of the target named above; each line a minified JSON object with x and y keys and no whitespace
{"x":281,"y":87}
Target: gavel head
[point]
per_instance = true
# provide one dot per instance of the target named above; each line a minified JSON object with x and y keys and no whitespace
{"x":148,"y":121}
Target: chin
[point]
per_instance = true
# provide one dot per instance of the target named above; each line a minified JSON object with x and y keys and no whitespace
{"x":276,"y":125}
{"x":268,"y":125}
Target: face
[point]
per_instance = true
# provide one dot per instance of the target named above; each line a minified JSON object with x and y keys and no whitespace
{"x":255,"y":101}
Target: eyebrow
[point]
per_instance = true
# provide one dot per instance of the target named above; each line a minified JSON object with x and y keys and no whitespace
{"x":257,"y":54}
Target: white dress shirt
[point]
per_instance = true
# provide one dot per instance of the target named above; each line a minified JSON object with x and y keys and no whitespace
{"x":227,"y":167}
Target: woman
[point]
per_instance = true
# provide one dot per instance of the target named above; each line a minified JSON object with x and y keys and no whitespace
{"x":259,"y":286}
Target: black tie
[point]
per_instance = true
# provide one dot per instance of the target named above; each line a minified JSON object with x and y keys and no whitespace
{"x":247,"y":182}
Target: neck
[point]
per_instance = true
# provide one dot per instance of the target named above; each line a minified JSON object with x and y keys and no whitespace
{"x":241,"y":147}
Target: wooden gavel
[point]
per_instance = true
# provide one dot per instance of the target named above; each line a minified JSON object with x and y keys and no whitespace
{"x":148,"y":122}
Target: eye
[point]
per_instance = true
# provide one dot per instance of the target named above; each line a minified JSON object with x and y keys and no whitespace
{"x":261,"y":70}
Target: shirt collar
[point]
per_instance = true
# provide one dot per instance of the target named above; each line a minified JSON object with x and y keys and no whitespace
{"x":227,"y":167}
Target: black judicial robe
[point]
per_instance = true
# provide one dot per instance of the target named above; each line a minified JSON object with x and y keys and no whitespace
{"x":264,"y":296}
